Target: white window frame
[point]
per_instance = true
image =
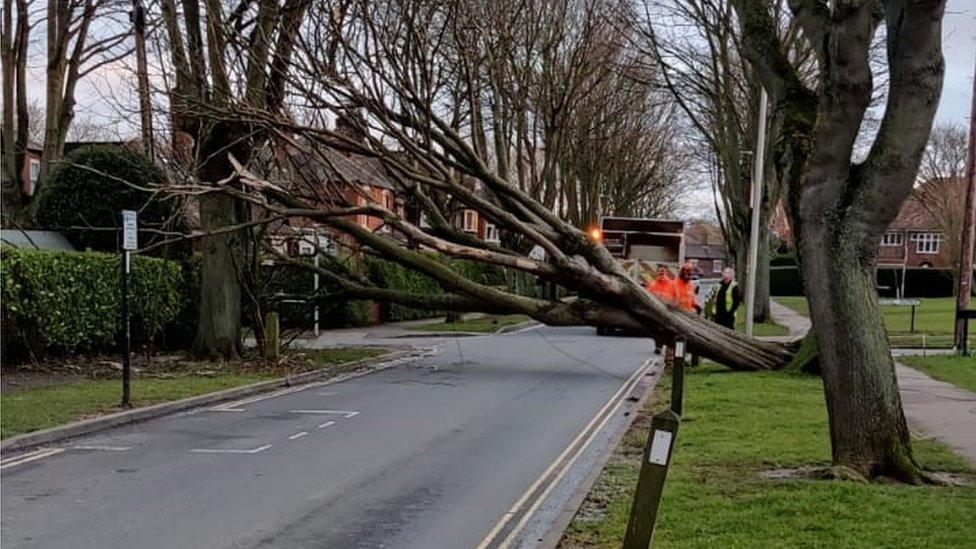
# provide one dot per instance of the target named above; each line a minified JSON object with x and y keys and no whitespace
{"x":893,"y":238}
{"x":927,"y":243}
{"x":491,"y":233}
{"x":717,"y":265}
{"x":469,"y":221}
{"x":33,"y":175}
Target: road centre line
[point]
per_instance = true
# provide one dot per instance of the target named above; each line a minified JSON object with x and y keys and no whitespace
{"x":589,"y":432}
{"x":345,"y":413}
{"x":229,"y":450}
{"x":30,"y":456}
{"x":297,"y":435}
{"x":326,"y":424}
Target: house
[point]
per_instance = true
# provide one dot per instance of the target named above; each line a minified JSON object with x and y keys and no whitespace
{"x":705,"y":248}
{"x":914,"y":240}
{"x":474,"y":222}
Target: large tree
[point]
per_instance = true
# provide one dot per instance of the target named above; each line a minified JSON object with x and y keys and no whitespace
{"x":840,"y":208}
{"x":224,"y":60}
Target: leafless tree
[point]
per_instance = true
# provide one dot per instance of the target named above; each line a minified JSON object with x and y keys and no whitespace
{"x":14,"y":41}
{"x":840,"y":208}
{"x":82,"y":36}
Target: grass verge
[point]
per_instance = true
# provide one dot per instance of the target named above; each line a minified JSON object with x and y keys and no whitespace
{"x":957,"y":370}
{"x":760,"y":329}
{"x":934,"y":319}
{"x":739,"y":425}
{"x":35,"y":408}
{"x":487,"y":324}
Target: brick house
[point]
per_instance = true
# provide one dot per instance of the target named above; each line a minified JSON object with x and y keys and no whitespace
{"x":914,"y":240}
{"x":705,"y":248}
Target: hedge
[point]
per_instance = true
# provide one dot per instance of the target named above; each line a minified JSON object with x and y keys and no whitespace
{"x":785,"y":281}
{"x":89,"y":189}
{"x":68,"y":302}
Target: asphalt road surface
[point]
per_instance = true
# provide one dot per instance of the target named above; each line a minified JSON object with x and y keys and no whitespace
{"x":425,"y":454}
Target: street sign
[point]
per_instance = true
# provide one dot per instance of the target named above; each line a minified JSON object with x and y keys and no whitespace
{"x":130,"y":235}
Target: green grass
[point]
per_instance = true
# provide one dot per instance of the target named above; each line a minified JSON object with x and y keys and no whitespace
{"x":33,"y":409}
{"x":957,"y":370}
{"x":738,"y":425}
{"x":763,"y":328}
{"x":934,"y":318}
{"x":486,"y":324}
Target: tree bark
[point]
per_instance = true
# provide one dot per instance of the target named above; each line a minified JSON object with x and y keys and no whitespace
{"x":219,"y":327}
{"x":867,"y":433}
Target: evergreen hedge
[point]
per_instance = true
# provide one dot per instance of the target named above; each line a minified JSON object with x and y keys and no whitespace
{"x":68,"y":302}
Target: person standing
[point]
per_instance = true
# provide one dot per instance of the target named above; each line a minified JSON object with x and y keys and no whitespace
{"x":685,"y":296}
{"x":728,"y":297}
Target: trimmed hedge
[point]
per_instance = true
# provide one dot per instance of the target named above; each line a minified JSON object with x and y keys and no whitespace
{"x":67,"y":302}
{"x":394,"y":276}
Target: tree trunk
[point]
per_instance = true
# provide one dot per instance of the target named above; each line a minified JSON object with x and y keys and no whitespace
{"x":760,"y":312}
{"x":219,"y":327}
{"x":868,"y":432}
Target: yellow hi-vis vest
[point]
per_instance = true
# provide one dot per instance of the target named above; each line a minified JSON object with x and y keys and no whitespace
{"x":729,"y":301}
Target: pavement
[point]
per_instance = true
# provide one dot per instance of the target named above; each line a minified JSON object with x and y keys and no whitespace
{"x":932,"y":407}
{"x":438,"y":452}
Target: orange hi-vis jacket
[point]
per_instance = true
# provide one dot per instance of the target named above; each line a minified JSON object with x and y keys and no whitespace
{"x":663,"y":288}
{"x":684,"y":294}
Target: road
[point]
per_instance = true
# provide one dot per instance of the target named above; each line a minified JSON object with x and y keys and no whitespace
{"x":426,"y":454}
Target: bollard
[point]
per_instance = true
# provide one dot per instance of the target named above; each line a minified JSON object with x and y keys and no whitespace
{"x":272,"y":339}
{"x":678,"y":377}
{"x":650,"y":483}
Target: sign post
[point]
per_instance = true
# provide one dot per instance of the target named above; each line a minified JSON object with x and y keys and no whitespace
{"x":657,"y":457}
{"x":130,"y":241}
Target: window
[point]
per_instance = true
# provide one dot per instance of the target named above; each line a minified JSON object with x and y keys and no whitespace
{"x":717,"y":265}
{"x":470,"y":222}
{"x":893,"y":239}
{"x":927,"y":243}
{"x":491,"y":232}
{"x":35,"y":174}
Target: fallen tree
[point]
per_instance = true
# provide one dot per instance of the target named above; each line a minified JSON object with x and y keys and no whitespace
{"x":396,"y":68}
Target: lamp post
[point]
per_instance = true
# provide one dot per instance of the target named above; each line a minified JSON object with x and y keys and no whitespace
{"x":755,"y":203}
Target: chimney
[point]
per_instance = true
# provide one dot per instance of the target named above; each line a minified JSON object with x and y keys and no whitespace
{"x":350,"y":124}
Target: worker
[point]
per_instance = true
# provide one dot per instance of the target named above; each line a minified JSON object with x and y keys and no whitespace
{"x":662,"y":286}
{"x":685,"y":296}
{"x":727,"y":299}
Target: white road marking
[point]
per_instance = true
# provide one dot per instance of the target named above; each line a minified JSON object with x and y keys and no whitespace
{"x":326,"y":424}
{"x":229,"y":451}
{"x":599,"y":420}
{"x":298,"y":435}
{"x":345,"y":413}
{"x":236,"y":406}
{"x":227,"y":410}
{"x":101,"y":448}
{"x":30,"y":456}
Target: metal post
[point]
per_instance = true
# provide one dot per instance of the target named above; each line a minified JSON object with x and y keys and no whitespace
{"x":755,"y":203}
{"x":315,"y":281}
{"x":911,"y":329}
{"x":678,"y":377}
{"x":127,"y":335}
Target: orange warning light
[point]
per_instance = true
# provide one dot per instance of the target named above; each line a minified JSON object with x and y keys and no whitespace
{"x":596,"y":234}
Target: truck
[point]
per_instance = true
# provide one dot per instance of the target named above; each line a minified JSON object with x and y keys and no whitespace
{"x":640,"y":244}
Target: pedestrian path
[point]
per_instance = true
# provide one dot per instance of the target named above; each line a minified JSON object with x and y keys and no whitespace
{"x":936,"y":408}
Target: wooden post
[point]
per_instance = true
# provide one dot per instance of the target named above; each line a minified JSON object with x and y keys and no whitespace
{"x":272,"y":335}
{"x":964,"y":279}
{"x":650,"y":484}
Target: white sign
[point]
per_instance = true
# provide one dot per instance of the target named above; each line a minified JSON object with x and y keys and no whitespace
{"x":660,"y":447}
{"x":130,"y":236}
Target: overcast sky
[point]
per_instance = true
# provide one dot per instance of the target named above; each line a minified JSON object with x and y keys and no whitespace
{"x":959,"y":48}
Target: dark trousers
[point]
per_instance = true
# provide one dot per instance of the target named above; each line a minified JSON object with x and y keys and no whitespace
{"x":726,"y":320}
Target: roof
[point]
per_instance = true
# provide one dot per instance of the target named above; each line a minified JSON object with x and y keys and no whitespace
{"x":913,"y":217}
{"x":35,"y":240}
{"x":340,"y":167}
{"x":703,"y":251}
